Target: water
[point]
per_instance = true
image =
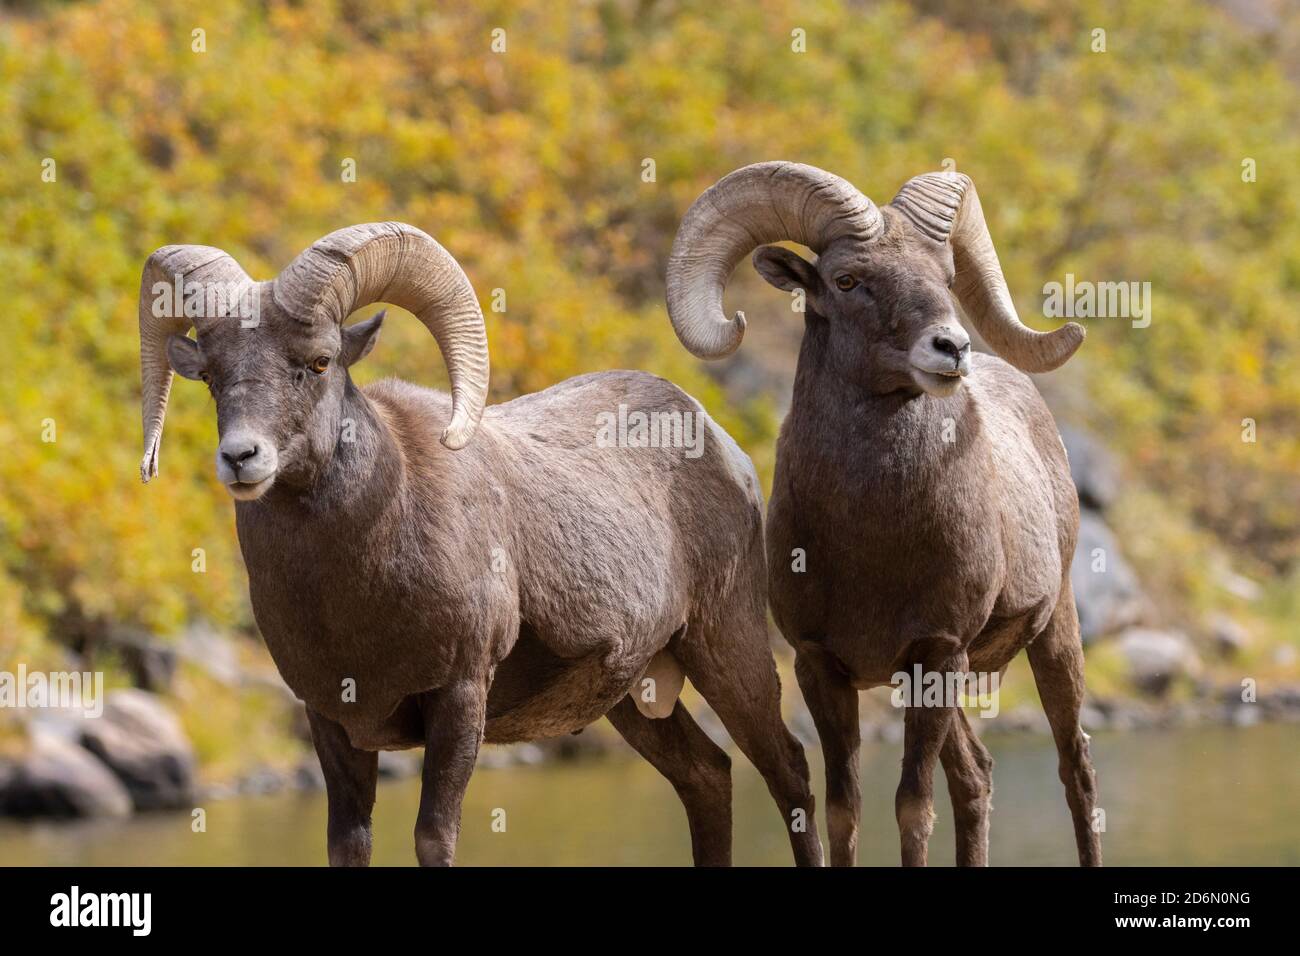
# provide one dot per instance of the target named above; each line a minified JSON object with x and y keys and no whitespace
{"x":1212,"y":796}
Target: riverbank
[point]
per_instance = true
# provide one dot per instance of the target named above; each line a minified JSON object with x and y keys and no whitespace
{"x":1210,"y":796}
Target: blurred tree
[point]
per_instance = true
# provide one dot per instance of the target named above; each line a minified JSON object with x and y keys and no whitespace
{"x":127,"y":124}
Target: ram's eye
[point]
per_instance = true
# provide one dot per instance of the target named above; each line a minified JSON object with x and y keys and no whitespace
{"x":845,"y":282}
{"x":320,"y":364}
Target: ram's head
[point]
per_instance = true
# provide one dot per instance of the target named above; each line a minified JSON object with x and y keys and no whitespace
{"x":275,"y":354}
{"x":880,"y":279}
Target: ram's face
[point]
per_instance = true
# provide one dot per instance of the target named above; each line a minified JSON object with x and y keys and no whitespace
{"x":892,"y":318}
{"x":877,"y":295}
{"x":278,"y":387}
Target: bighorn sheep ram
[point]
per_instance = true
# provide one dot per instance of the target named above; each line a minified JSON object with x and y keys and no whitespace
{"x":417,"y":588}
{"x":922,"y":513}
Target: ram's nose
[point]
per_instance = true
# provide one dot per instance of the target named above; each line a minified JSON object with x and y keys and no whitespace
{"x":236,"y":454}
{"x":954,"y":343}
{"x":245,"y":458}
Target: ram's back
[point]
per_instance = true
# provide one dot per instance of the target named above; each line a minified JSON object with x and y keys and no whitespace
{"x":609,"y":524}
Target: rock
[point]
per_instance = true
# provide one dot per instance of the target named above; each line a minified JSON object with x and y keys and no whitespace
{"x":1092,"y":718}
{"x":309,"y":776}
{"x":216,"y":791}
{"x":528,"y":755}
{"x":802,"y":726}
{"x":1157,"y":658}
{"x":1092,"y":468}
{"x":1237,"y":585}
{"x":57,"y":778}
{"x":577,"y":746}
{"x":1230,"y":638}
{"x":496,"y":757}
{"x":212,"y":651}
{"x":399,"y":764}
{"x":151,"y":663}
{"x":142,"y":742}
{"x":262,"y":780}
{"x":1023,"y":720}
{"x":891,"y":732}
{"x":1110,"y":597}
{"x":1245,"y":715}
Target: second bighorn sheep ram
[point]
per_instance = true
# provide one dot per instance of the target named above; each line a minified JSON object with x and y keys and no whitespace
{"x":922,"y":512}
{"x":502,"y":578}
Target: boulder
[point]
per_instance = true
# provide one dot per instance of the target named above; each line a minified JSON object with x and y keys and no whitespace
{"x":1230,"y":638}
{"x":1106,"y":591}
{"x":400,"y":764}
{"x":142,"y":742}
{"x":151,"y":663}
{"x":57,"y":778}
{"x":203,"y":645}
{"x":1092,"y":468}
{"x":1157,"y":658}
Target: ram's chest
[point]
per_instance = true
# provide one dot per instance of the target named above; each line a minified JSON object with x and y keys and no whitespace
{"x":877,"y":564}
{"x":354,"y":642}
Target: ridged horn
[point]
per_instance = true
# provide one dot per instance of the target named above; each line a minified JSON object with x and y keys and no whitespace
{"x":178,"y":280}
{"x":945,"y":207}
{"x":398,"y":264}
{"x":755,"y":205}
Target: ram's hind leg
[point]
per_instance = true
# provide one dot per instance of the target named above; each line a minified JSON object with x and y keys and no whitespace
{"x":1056,"y":657}
{"x":737,"y":676}
{"x":698,"y":769}
{"x":350,"y":777}
{"x":969,"y":768}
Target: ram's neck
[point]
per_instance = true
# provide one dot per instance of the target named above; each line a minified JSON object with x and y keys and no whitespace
{"x":843,"y":422}
{"x":360,"y":479}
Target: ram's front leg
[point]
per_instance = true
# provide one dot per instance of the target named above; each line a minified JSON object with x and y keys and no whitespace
{"x":453,"y":729}
{"x":925,"y":726}
{"x":350,"y":776}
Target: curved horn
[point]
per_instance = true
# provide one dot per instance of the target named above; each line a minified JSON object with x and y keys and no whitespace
{"x":945,"y":206}
{"x":211,"y":277}
{"x":396,"y":263}
{"x":755,"y":205}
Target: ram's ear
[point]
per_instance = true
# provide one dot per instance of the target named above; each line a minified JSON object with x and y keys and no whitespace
{"x":359,"y":339}
{"x":787,"y":270}
{"x":185,"y":357}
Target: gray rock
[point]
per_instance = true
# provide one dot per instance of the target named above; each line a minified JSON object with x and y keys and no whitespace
{"x":497,"y":757}
{"x":152,"y":664}
{"x":56,"y":778}
{"x":1157,"y":658}
{"x":215,"y":653}
{"x":1092,"y":468}
{"x":1230,"y":638}
{"x":309,"y":776}
{"x":891,"y":732}
{"x":1108,"y":599}
{"x":262,"y":780}
{"x":1245,"y":715}
{"x":1023,"y":720}
{"x":1092,"y":718}
{"x":142,"y":742}
{"x":399,"y":764}
{"x":1238,"y":585}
